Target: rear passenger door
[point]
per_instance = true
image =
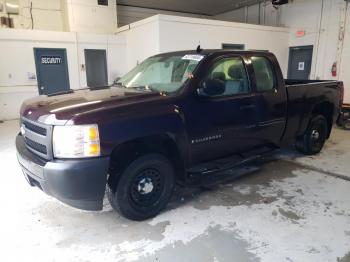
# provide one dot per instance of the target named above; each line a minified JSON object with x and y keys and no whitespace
{"x":271,"y":99}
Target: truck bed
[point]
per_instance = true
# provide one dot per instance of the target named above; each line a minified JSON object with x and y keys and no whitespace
{"x":302,"y":96}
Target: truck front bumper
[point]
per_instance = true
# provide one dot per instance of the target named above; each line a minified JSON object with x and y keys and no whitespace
{"x":79,"y":183}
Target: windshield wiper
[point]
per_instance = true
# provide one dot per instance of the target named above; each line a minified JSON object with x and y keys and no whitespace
{"x":120,"y":84}
{"x":69,"y":91}
{"x":153,"y":90}
{"x":146,"y":88}
{"x":143,"y":88}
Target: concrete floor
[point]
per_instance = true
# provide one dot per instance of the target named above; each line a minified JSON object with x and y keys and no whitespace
{"x":294,"y":209}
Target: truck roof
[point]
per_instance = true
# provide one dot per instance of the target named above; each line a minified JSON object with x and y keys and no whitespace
{"x":207,"y":52}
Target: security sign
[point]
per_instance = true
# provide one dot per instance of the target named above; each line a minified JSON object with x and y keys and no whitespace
{"x":51,"y":60}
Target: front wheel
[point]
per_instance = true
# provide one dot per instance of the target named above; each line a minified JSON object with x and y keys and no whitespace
{"x":144,"y":187}
{"x":313,"y":140}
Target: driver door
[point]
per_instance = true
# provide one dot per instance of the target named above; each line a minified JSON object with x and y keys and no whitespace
{"x":222,"y":124}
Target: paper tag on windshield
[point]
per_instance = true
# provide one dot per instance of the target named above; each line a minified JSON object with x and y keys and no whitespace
{"x":193,"y":57}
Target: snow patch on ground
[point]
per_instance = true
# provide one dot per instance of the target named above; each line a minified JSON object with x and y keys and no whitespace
{"x":303,"y":231}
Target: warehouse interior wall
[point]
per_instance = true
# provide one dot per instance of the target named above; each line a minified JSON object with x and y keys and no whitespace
{"x":142,"y":40}
{"x":64,"y":15}
{"x":326,"y":26}
{"x":261,"y":14}
{"x":344,"y":56}
{"x":164,"y":33}
{"x":17,"y":64}
{"x":47,"y":15}
{"x":130,"y":14}
{"x":89,"y":17}
{"x":178,"y":33}
{"x":115,"y":46}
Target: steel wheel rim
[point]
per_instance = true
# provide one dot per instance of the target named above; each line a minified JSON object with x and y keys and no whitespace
{"x":146,"y":187}
{"x":317,"y":135}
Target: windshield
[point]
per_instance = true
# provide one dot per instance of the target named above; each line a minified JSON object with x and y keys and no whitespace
{"x":161,"y":73}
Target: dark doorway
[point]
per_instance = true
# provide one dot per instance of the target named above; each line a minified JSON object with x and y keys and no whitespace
{"x":233,"y":46}
{"x":300,"y":61}
{"x":52,"y":70}
{"x":96,"y":67}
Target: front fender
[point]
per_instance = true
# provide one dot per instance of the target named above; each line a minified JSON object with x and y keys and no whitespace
{"x":167,"y":120}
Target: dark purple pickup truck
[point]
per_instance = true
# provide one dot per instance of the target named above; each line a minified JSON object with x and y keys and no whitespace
{"x":179,"y":117}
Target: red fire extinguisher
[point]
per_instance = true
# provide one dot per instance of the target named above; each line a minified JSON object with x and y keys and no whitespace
{"x":334,"y":69}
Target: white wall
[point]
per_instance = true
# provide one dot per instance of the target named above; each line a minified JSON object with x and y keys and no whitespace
{"x":66,"y":15}
{"x":237,"y":15}
{"x":47,"y":15}
{"x":163,"y":33}
{"x":115,"y":46}
{"x":178,"y":33}
{"x":345,"y":58}
{"x":129,"y":14}
{"x":321,"y":20}
{"x":89,"y":17}
{"x":250,"y":14}
{"x":17,"y":60}
{"x":142,"y":40}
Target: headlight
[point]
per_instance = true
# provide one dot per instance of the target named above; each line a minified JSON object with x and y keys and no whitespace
{"x":76,"y":141}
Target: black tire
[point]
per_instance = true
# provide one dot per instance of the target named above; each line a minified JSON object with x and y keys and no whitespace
{"x":346,"y":124}
{"x":144,"y":188}
{"x":313,"y":140}
{"x":339,"y":121}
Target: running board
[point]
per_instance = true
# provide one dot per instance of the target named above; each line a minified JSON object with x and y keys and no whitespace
{"x":227,"y":168}
{"x":226,"y":176}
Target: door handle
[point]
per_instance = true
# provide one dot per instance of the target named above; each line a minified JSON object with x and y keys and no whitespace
{"x":247,"y":107}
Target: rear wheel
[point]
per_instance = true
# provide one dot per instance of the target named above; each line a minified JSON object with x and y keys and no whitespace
{"x":346,"y":124}
{"x":144,"y":187}
{"x":313,"y":140}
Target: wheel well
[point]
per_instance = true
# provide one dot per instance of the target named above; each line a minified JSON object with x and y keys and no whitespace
{"x":326,"y":109}
{"x":125,"y":153}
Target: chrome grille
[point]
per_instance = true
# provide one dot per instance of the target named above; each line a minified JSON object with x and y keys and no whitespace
{"x":36,"y":146}
{"x":37,"y":129}
{"x":37,"y":137}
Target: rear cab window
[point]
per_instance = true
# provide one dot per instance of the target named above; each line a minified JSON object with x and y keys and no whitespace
{"x":264,"y":74}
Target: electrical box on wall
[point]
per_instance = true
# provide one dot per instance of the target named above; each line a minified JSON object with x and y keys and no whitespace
{"x":31,"y":76}
{"x":6,"y":21}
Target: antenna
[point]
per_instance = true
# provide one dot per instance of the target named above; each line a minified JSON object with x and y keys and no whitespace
{"x":199,"y":49}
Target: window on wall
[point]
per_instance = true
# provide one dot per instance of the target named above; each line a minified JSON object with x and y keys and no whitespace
{"x":233,"y":46}
{"x":264,"y":74}
{"x":102,"y":2}
{"x":231,"y":72}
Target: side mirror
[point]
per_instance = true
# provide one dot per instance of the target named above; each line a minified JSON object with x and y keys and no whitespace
{"x":211,"y":87}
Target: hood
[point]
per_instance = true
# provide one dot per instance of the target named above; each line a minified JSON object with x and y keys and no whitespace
{"x":58,"y":109}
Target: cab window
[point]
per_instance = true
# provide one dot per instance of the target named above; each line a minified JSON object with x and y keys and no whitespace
{"x":264,"y":74}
